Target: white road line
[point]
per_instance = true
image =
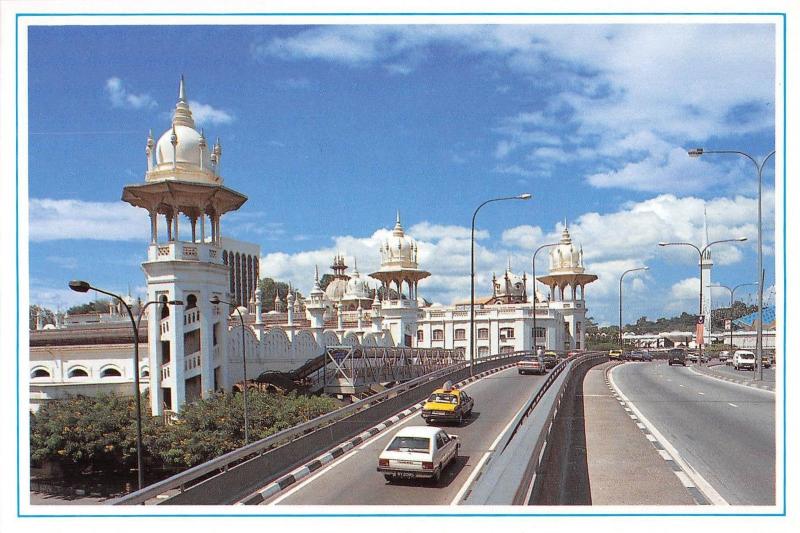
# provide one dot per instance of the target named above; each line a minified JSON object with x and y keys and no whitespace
{"x":471,"y":477}
{"x":684,"y":479}
{"x":731,"y":382}
{"x":704,"y":486}
{"x":701,"y":393}
{"x":679,"y":385}
{"x":664,"y":455}
{"x":732,"y":404}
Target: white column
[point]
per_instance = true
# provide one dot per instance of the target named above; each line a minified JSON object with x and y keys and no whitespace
{"x":206,"y":345}
{"x":203,"y":228}
{"x":176,"y":355}
{"x":155,"y":357}
{"x":153,"y":227}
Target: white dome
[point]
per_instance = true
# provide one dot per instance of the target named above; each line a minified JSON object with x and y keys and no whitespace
{"x":357,"y":287}
{"x":336,"y":289}
{"x":565,"y":257}
{"x":187,"y":150}
{"x":510,"y":285}
{"x":399,"y":250}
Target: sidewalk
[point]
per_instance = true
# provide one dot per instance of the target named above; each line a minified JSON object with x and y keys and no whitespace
{"x":624,"y":467}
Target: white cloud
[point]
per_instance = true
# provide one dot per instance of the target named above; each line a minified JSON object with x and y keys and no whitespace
{"x":684,"y":295}
{"x":206,"y":114}
{"x":526,"y":236}
{"x":75,"y":219}
{"x":121,"y":96}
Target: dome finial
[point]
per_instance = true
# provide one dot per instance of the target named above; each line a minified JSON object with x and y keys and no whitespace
{"x":181,"y":91}
{"x":398,"y":216}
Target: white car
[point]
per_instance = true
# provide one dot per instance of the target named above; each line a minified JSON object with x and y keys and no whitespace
{"x":744,"y":359}
{"x":418,"y":452}
{"x":723,"y":356}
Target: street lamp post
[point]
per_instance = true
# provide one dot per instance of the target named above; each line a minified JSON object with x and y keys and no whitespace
{"x":524,"y":196}
{"x":697,"y":152}
{"x":533,"y":273}
{"x":621,"y":344}
{"x":83,"y":286}
{"x":216,"y":301}
{"x":700,"y":253}
{"x":731,"y":291}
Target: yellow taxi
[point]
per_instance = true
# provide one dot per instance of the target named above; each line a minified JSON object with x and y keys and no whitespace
{"x":448,"y":404}
{"x":615,"y":355}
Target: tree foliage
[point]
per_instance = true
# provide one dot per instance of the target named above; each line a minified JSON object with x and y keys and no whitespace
{"x":33,"y":310}
{"x":269,"y":288}
{"x":99,"y":434}
{"x":98,"y":306}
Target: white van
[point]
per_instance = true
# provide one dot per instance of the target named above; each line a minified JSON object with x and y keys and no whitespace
{"x":743,"y":359}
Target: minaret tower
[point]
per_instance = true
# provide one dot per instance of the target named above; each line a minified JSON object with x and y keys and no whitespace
{"x":184,"y":262}
{"x":400,"y":272}
{"x":567,"y":281}
{"x":705,"y":278}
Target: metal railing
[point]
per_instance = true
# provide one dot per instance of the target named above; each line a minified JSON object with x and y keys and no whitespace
{"x":221,"y":464}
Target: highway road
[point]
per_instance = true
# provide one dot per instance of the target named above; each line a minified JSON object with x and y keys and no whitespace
{"x":724,"y":431}
{"x":354,"y":480}
{"x":769,"y":373}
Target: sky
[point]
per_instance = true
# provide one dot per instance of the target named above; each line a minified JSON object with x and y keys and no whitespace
{"x":331,"y":130}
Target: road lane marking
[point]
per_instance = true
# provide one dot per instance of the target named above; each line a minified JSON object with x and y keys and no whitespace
{"x":732,"y":404}
{"x":699,"y":481}
{"x":701,"y":393}
{"x":679,"y":385}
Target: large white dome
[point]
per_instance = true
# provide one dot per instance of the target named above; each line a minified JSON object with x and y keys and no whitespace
{"x":187,"y":150}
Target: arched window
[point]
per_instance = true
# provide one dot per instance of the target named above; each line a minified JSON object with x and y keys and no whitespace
{"x":460,"y":334}
{"x":420,"y":335}
{"x":110,"y":373}
{"x":40,"y":373}
{"x":438,"y":335}
{"x":483,"y":351}
{"x":78,"y":373}
{"x":224,"y":257}
{"x":145,"y":373}
{"x":506,"y":349}
{"x":191,"y":301}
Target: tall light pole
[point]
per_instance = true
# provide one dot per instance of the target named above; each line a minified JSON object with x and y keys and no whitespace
{"x":84,"y":286}
{"x":697,"y":152}
{"x":216,"y":301}
{"x":621,"y":344}
{"x":731,"y":291}
{"x":524,"y":196}
{"x":701,"y":252}
{"x":533,"y":272}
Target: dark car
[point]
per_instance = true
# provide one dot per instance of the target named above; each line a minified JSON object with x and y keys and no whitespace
{"x":647,"y":356}
{"x":677,"y":356}
{"x":550,"y":359}
{"x":636,"y":355}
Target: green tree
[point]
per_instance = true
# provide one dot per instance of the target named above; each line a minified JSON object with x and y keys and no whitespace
{"x":33,"y":310}
{"x":99,"y":306}
{"x":269,"y":288}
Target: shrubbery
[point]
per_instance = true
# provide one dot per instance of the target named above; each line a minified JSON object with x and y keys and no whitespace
{"x":99,"y":434}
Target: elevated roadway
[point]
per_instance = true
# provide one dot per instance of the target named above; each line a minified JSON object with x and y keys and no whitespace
{"x":353,"y":480}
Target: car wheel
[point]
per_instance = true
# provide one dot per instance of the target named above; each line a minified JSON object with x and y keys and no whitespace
{"x":437,"y":474}
{"x":684,"y":363}
{"x":469,"y":413}
{"x":461,"y":419}
{"x":388,"y":477}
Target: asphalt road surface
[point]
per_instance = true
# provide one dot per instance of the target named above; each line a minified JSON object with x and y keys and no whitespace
{"x":769,"y":373}
{"x":726,"y":432}
{"x":354,"y":480}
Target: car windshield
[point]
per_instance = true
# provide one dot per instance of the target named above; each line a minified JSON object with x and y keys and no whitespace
{"x":443,"y":398}
{"x":530,"y":359}
{"x":412,"y":444}
{"x":746,"y":356}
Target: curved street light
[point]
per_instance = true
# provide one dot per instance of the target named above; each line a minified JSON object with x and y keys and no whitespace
{"x":525,"y":196}
{"x":215,"y":300}
{"x":533,"y":272}
{"x":731,"y":291}
{"x":697,"y":152}
{"x":84,"y":286}
{"x":621,"y":343}
{"x":700,"y":252}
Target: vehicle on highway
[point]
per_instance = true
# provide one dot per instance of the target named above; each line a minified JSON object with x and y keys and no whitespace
{"x":615,"y":355}
{"x":744,"y":360}
{"x":723,"y":356}
{"x":677,"y":356}
{"x":531,"y":364}
{"x":766,"y":362}
{"x":692,"y":357}
{"x":448,"y":404}
{"x":550,"y":359}
{"x":418,"y":452}
{"x":636,"y":355}
{"x":647,"y":356}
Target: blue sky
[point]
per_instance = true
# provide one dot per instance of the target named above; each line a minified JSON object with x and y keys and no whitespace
{"x":331,"y":129}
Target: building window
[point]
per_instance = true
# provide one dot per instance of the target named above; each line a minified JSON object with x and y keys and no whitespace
{"x":78,"y":373}
{"x":420,"y":335}
{"x":460,"y":334}
{"x":483,"y":333}
{"x":40,"y":373}
{"x":483,"y":351}
{"x":506,"y":349}
{"x":508,"y":333}
{"x":438,"y":335}
{"x":110,"y":373}
{"x":539,"y":332}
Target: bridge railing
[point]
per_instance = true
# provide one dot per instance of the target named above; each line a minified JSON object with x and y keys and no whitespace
{"x":272,"y":455}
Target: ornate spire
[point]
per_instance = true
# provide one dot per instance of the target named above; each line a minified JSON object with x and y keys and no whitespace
{"x":398,"y":228}
{"x":182,"y":115}
{"x":181,"y":91}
